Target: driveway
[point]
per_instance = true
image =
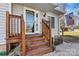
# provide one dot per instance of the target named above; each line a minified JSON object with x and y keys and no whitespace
{"x":65,"y":49}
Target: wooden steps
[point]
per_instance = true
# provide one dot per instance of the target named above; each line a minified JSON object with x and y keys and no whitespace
{"x":32,"y":44}
{"x":38,"y":45}
{"x":39,"y":51}
{"x":37,"y":39}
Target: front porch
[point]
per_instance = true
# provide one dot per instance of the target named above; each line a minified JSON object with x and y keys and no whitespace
{"x":31,"y":44}
{"x":26,"y":28}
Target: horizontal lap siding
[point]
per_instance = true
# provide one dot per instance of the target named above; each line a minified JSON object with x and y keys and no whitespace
{"x":3,"y":8}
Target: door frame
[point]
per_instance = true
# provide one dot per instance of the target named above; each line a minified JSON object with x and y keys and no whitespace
{"x":24,"y":13}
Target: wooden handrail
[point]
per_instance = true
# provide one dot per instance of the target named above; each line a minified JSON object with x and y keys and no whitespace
{"x":14,"y":15}
{"x":14,"y":34}
{"x":46,"y":32}
{"x":45,"y":23}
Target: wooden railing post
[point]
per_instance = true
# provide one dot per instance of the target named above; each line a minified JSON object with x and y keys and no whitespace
{"x":23,"y":36}
{"x":7,"y":32}
{"x":50,"y":36}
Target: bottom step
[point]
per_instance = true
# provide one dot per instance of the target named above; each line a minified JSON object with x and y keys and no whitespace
{"x":39,"y":51}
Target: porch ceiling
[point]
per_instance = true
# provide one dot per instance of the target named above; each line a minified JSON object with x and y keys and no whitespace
{"x":45,"y":7}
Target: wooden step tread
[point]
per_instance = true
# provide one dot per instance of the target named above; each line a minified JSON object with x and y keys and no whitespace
{"x":39,"y":51}
{"x":37,"y":39}
{"x":38,"y":43}
{"x":33,"y":35}
{"x":13,"y":41}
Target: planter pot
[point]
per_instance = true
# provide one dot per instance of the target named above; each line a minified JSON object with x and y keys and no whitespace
{"x":58,"y":40}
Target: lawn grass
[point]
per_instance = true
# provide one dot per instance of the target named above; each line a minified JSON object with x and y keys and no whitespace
{"x":71,"y":37}
{"x":71,"y":33}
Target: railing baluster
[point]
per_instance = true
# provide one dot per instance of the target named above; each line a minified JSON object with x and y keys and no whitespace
{"x":18,"y":26}
{"x":14,"y":26}
{"x":11,"y":26}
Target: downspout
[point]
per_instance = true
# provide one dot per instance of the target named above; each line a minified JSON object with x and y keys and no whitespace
{"x":58,"y":30}
{"x":58,"y":26}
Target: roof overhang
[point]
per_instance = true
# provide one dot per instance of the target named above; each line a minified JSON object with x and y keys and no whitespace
{"x":44,"y":7}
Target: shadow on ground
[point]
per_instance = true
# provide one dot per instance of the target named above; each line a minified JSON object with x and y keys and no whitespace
{"x":70,"y":38}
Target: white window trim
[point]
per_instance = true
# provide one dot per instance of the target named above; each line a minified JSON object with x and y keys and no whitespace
{"x":10,"y":8}
{"x":48,"y":14}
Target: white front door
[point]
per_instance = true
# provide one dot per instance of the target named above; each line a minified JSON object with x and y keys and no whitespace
{"x":31,"y":23}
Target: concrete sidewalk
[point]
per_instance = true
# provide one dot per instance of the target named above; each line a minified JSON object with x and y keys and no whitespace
{"x":65,"y":49}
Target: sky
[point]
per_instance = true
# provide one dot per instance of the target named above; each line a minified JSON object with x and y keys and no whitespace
{"x":72,"y":7}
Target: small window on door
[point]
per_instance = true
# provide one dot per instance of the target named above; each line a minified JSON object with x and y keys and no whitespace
{"x":52,"y":22}
{"x":36,"y":21}
{"x":36,"y":15}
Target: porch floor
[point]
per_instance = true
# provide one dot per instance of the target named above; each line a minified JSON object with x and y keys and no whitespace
{"x":34,"y":34}
{"x":65,"y":49}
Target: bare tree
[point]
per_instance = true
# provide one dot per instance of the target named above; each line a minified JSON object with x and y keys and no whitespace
{"x":62,"y":24}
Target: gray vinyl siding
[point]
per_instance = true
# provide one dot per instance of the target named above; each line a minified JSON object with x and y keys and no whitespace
{"x":3,"y":8}
{"x":17,"y":9}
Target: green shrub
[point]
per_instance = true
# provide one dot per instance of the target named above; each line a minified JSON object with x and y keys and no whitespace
{"x":3,"y":54}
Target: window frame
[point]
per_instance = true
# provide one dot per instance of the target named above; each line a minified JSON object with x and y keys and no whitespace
{"x":51,"y":20}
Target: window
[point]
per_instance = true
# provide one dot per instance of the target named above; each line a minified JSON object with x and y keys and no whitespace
{"x":29,"y":21}
{"x":52,"y":20}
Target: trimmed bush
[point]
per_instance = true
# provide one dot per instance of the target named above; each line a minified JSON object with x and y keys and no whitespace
{"x":3,"y":54}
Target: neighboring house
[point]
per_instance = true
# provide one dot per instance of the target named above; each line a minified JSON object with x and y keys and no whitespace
{"x":71,"y":22}
{"x":33,"y":11}
{"x":76,"y":20}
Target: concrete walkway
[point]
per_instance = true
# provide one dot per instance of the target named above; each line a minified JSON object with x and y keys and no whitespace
{"x":65,"y":49}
